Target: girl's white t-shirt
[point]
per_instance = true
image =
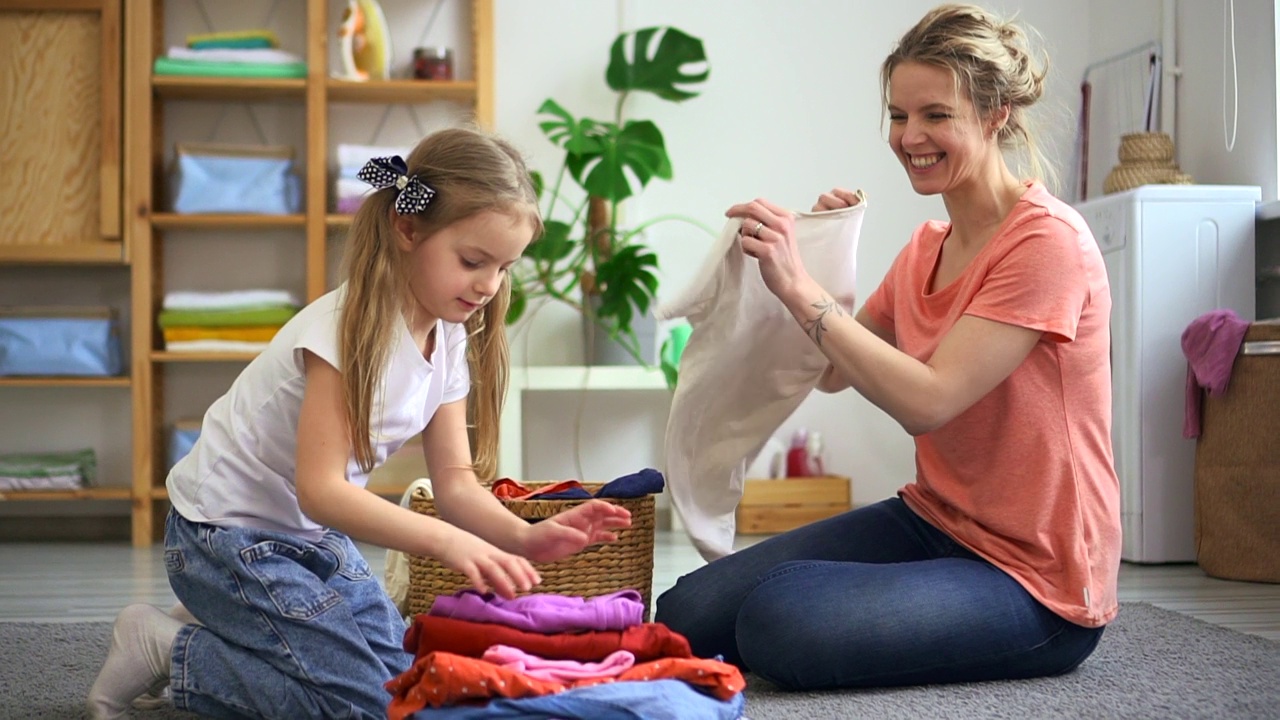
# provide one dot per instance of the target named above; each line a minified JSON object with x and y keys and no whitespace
{"x":241,"y":471}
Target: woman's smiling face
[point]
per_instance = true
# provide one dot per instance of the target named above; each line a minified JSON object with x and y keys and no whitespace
{"x":935,"y":130}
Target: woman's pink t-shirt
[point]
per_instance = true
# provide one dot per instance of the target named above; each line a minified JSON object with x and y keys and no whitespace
{"x":1025,"y":476}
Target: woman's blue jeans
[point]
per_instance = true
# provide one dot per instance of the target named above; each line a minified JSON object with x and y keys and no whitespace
{"x":874,"y":597}
{"x":289,"y":628}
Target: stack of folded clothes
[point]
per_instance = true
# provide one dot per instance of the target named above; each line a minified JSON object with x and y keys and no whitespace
{"x":233,"y":321}
{"x":239,"y":54}
{"x":349,"y":191}
{"x":48,"y":471}
{"x":538,"y":656}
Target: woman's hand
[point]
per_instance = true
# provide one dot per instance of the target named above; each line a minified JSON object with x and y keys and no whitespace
{"x":768,"y":235}
{"x":836,"y":199}
{"x":574,"y":530}
{"x":486,"y":566}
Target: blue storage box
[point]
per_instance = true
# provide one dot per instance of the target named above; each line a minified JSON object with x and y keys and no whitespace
{"x":215,"y":178}
{"x":59,"y":341}
{"x":181,"y":439}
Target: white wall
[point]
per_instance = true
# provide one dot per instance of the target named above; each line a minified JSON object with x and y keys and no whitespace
{"x":1201,"y":138}
{"x":1200,"y":42}
{"x":792,"y":108}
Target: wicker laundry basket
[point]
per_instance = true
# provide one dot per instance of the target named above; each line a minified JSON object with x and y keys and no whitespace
{"x":1237,"y":475}
{"x":598,"y":570}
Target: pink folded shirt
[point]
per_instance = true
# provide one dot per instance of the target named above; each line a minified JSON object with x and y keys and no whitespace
{"x":559,"y":670}
{"x":543,"y":612}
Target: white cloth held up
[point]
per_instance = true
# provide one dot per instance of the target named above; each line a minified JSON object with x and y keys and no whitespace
{"x":747,"y":366}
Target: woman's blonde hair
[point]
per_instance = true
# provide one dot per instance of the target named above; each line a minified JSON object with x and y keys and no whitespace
{"x":471,"y":172}
{"x":993,"y":64}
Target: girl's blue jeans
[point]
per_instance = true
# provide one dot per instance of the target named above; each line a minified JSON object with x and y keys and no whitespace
{"x":871,"y":598}
{"x":289,"y":628}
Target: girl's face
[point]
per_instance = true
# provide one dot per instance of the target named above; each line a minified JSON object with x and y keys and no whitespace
{"x":936,"y":132}
{"x":459,"y":269}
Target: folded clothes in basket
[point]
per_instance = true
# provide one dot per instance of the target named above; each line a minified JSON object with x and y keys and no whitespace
{"x":59,"y":341}
{"x":638,"y":484}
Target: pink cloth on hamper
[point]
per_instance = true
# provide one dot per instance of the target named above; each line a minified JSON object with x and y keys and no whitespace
{"x":559,"y":670}
{"x":1210,"y":344}
{"x":543,"y":612}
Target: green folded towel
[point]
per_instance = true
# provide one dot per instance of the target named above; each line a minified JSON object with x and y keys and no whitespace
{"x":275,"y":315}
{"x":248,"y":43}
{"x":52,"y":464}
{"x":212,"y":68}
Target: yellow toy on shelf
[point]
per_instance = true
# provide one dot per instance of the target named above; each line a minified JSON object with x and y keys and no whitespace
{"x":364,"y":42}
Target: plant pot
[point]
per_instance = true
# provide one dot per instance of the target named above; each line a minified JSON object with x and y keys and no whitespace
{"x":600,"y":349}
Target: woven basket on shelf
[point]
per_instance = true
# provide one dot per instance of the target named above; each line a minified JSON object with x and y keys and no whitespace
{"x":1145,"y":159}
{"x":1147,"y":146}
{"x":598,"y":570}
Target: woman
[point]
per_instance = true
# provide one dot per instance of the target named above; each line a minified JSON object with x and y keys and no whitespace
{"x":988,"y":342}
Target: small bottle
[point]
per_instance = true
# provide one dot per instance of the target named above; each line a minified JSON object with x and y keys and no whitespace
{"x":798,"y":455}
{"x":433,"y":63}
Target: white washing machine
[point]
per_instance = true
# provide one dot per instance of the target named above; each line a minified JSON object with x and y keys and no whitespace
{"x":1173,"y":253}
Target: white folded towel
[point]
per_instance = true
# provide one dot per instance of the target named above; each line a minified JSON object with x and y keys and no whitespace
{"x":228,"y":299}
{"x":267,"y":56}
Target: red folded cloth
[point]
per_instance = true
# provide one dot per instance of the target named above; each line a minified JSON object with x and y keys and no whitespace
{"x":647,"y":641}
{"x":439,"y":679}
{"x":509,"y":489}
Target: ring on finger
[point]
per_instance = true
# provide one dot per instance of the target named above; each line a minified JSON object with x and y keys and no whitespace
{"x":755,"y":233}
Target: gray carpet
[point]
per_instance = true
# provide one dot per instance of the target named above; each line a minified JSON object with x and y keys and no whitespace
{"x":1151,"y":663}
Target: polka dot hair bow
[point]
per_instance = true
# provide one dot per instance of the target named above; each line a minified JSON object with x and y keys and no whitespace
{"x":383,"y":172}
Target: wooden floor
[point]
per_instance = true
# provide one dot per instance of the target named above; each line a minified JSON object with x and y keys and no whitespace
{"x":69,"y":582}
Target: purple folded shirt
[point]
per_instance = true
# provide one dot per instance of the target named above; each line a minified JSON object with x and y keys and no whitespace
{"x":543,"y":612}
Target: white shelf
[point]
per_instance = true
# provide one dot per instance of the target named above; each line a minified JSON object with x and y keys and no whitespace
{"x":561,"y":378}
{"x":579,"y":377}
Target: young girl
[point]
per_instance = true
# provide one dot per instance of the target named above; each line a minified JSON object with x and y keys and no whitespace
{"x":988,"y":341}
{"x":291,"y":622}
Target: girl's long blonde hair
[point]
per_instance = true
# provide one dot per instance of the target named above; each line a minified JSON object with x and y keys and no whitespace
{"x":471,"y":172}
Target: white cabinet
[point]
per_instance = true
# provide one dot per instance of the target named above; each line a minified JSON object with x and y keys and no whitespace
{"x":1173,"y":253}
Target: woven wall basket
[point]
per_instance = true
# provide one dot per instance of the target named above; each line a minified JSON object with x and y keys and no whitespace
{"x":598,"y":570}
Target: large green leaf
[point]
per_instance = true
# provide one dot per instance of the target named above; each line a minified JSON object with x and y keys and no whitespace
{"x":539,"y":184}
{"x":629,"y":285}
{"x":638,"y":146}
{"x":554,"y":244}
{"x":658,"y":71}
{"x":518,"y":300}
{"x":561,"y":129}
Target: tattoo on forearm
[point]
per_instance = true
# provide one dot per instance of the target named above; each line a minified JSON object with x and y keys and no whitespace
{"x":816,"y":327}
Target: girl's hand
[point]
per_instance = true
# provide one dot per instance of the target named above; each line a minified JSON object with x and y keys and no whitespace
{"x":486,"y":566}
{"x":574,"y":530}
{"x":837,"y":199}
{"x":768,"y":234}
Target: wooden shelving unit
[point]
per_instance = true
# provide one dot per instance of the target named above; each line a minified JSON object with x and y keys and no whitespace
{"x":100,"y":493}
{"x":62,"y":150}
{"x":147,"y":225}
{"x":123,"y":381}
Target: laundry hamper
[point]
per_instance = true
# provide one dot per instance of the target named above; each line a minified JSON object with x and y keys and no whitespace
{"x":1237,"y":475}
{"x":598,"y":570}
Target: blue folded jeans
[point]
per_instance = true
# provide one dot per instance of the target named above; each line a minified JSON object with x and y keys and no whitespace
{"x":874,"y":597}
{"x":289,"y":628}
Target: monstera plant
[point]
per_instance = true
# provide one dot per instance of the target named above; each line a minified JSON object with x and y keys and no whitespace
{"x":586,"y":258}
